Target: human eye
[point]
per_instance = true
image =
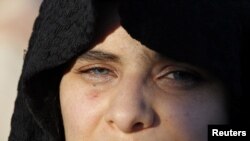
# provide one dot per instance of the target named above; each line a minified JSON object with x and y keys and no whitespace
{"x":184,"y":76}
{"x":179,"y":78}
{"x":97,"y":73}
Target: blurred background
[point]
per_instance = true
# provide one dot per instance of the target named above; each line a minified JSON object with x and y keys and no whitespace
{"x":16,"y":23}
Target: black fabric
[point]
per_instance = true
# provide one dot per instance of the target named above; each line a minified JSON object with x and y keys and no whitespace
{"x":63,"y":30}
{"x":206,"y":33}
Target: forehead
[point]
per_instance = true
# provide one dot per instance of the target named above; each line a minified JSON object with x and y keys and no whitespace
{"x":113,"y":37}
{"x":121,"y":44}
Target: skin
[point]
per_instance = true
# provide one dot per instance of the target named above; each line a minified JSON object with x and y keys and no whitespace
{"x":120,"y":90}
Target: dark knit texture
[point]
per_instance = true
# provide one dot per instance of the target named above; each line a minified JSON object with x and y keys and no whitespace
{"x":205,"y":33}
{"x":209,"y":34}
{"x":63,"y":29}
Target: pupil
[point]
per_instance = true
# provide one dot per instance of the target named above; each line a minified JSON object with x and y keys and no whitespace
{"x":183,"y":76}
{"x":100,"y":71}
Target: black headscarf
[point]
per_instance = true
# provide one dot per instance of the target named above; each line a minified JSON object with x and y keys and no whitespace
{"x":205,"y":33}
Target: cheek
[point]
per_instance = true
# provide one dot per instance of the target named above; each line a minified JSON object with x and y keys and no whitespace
{"x":81,"y":106}
{"x":189,"y":114}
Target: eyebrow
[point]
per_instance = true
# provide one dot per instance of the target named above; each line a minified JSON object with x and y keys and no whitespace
{"x":98,"y":55}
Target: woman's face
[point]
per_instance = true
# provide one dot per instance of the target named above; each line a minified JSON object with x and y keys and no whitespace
{"x":121,"y":90}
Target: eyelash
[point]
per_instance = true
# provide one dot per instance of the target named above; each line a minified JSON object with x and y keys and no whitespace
{"x":174,"y":77}
{"x":184,"y":76}
{"x":180,"y":78}
{"x":93,"y":70}
{"x":98,"y":74}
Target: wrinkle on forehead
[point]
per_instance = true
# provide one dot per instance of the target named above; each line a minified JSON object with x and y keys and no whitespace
{"x":121,"y":44}
{"x":113,"y":38}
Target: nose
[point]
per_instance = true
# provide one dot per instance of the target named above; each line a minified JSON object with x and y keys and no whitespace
{"x":130,"y":110}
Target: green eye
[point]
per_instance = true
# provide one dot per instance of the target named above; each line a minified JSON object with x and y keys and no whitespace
{"x":99,"y":71}
{"x":179,"y":78}
{"x":98,"y":74}
{"x":183,"y":76}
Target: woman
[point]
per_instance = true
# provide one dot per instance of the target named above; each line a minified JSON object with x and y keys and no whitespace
{"x":131,"y":70}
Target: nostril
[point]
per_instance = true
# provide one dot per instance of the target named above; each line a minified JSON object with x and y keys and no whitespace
{"x":138,"y":126}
